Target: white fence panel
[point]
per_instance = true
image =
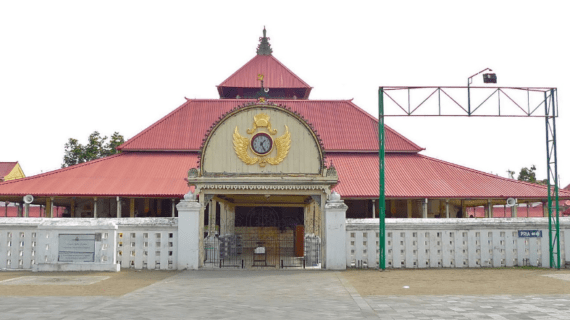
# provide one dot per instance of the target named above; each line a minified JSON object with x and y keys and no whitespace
{"x":147,"y":247}
{"x":455,"y":243}
{"x":545,"y":250}
{"x":350,"y":260}
{"x":533,"y":251}
{"x":460,"y":258}
{"x":17,"y":247}
{"x":435,"y":249}
{"x":447,"y":248}
{"x":422,"y":249}
{"x":510,"y":248}
{"x":373,"y":249}
{"x":410,"y":249}
{"x":485,"y":238}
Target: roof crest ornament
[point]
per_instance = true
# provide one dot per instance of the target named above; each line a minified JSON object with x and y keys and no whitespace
{"x":264,"y":48}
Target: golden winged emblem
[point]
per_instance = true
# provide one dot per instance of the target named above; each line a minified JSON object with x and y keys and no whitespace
{"x":261,"y":144}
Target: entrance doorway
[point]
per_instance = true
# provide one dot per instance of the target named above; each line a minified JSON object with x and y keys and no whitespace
{"x":264,"y":237}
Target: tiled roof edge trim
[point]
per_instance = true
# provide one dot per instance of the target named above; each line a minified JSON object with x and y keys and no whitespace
{"x":79,"y":165}
{"x":238,"y":70}
{"x":418,"y":148}
{"x":491,"y":175}
{"x":126,"y":144}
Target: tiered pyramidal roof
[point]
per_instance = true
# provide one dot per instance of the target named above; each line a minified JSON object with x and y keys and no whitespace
{"x":155,"y":161}
{"x":277,"y":81}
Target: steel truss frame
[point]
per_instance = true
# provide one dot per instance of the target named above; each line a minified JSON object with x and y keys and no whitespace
{"x":548,"y":98}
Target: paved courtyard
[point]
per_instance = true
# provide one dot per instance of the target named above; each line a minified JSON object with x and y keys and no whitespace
{"x":239,"y":294}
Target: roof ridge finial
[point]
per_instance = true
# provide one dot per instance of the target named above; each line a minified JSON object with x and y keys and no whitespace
{"x":264,"y":48}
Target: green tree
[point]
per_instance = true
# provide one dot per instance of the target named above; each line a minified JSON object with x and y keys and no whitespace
{"x":96,"y":147}
{"x":111,"y":147}
{"x":528,"y":174}
{"x":73,"y":153}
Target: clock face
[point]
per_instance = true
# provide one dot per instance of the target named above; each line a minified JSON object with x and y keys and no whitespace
{"x":261,"y":143}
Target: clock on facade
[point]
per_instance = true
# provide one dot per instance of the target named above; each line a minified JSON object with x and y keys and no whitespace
{"x":261,"y":143}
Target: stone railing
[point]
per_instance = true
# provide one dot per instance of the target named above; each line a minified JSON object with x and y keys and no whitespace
{"x":18,"y":243}
{"x":147,"y":243}
{"x":453,"y":243}
{"x":141,"y":243}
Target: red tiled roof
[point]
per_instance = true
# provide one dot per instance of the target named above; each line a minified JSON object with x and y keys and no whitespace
{"x":276,"y":75}
{"x":151,"y":174}
{"x":418,"y":176}
{"x":6,"y":168}
{"x":161,"y":174}
{"x":341,"y":124}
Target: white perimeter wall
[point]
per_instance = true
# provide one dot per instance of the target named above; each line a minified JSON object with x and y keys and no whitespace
{"x":453,"y":243}
{"x":141,"y":243}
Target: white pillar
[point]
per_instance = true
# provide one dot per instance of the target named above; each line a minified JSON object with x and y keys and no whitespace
{"x":489,"y":209}
{"x":514,"y":210}
{"x":119,"y":213}
{"x":189,"y":232}
{"x":425,"y":209}
{"x":373,"y":208}
{"x":94,"y":208}
{"x":173,"y":208}
{"x":335,"y":233}
{"x":27,"y":210}
{"x":447,"y":208}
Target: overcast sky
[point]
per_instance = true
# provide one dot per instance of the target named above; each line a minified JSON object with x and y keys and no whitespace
{"x":68,"y":68}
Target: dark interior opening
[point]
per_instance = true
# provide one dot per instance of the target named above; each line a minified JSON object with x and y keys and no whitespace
{"x":285,"y":218}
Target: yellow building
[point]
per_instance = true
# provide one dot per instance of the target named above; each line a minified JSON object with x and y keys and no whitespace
{"x":10,"y":171}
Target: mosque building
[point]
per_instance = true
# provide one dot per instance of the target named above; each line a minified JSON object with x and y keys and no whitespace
{"x":264,"y":154}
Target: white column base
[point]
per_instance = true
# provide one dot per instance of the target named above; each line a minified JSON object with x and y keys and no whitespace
{"x":188,"y":233}
{"x":335,"y":233}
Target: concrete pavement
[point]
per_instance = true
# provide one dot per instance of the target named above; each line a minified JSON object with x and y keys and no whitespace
{"x":270,"y":294}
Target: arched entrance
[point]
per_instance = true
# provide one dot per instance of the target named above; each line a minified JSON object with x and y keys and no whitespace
{"x":262,"y":182}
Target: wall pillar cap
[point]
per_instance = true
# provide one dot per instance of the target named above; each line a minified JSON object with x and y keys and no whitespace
{"x":335,"y":196}
{"x":334,"y":202}
{"x":190,"y":196}
{"x":190,"y":203}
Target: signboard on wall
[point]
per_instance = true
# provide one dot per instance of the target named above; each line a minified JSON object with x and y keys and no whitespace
{"x":76,"y":248}
{"x":530,"y":233}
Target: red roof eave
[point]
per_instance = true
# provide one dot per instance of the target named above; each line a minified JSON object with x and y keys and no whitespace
{"x":126,"y":174}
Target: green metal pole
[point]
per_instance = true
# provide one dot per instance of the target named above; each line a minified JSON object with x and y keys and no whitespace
{"x":382,"y":196}
{"x":553,"y":106}
{"x":549,"y":203}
